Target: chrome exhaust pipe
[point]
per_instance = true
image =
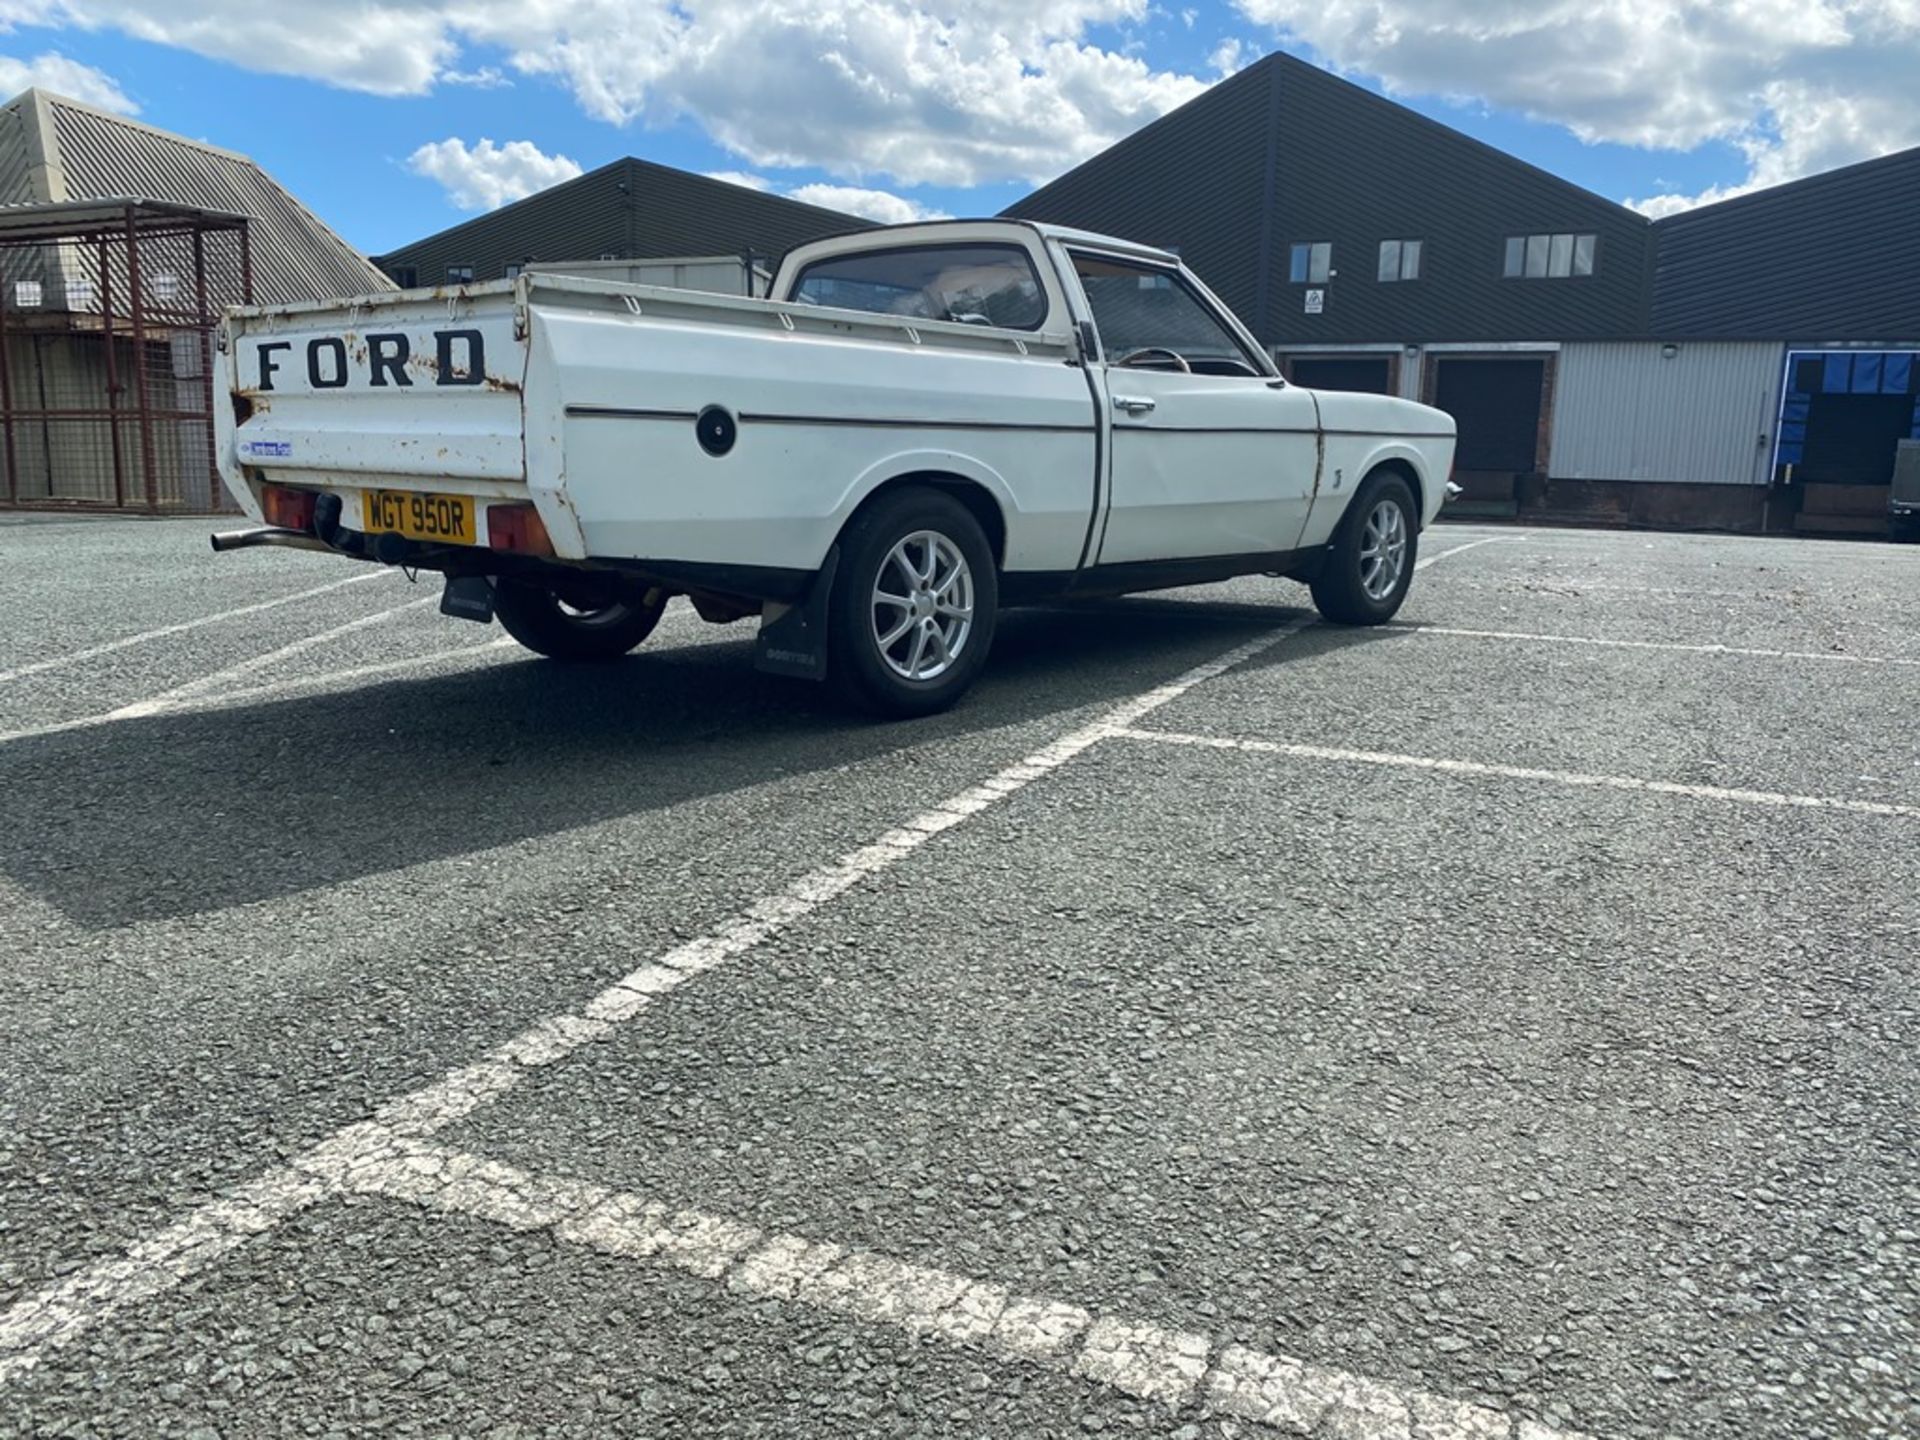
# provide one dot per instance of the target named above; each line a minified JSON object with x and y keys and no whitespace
{"x":225,"y":540}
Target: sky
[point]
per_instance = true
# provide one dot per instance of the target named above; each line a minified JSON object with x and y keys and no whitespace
{"x":395,"y":120}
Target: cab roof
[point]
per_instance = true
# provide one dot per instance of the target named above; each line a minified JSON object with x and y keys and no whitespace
{"x":894,"y":234}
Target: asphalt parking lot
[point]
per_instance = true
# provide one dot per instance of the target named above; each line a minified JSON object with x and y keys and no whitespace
{"x":1498,"y":1025}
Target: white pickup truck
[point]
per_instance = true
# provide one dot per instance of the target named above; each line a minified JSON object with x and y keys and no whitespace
{"x":922,"y":425}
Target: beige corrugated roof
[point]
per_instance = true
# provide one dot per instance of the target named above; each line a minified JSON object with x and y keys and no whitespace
{"x":53,"y":150}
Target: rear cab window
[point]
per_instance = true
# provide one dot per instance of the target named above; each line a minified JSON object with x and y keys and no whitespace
{"x":969,"y":284}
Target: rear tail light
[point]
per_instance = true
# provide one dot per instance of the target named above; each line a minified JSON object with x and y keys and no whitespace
{"x":289,"y":509}
{"x":518,"y":529}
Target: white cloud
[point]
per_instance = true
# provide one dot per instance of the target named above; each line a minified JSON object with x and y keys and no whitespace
{"x":392,"y":49}
{"x":1228,"y":56}
{"x":1824,"y":132}
{"x":55,"y":72}
{"x":487,"y":176}
{"x":487,"y":77}
{"x":1661,"y":74}
{"x":881,"y":205}
{"x":953,"y":92}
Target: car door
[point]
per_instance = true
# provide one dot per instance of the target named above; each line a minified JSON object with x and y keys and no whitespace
{"x":1211,"y":455}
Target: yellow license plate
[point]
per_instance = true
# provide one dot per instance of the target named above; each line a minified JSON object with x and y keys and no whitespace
{"x":445,"y":519}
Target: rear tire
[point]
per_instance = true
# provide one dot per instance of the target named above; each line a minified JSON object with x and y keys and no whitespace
{"x":1369,"y":566}
{"x":583,"y":630}
{"x":912,"y":613}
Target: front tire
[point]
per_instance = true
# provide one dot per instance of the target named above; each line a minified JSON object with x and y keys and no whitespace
{"x":1369,"y":566}
{"x":914,"y":604}
{"x":582,"y":628}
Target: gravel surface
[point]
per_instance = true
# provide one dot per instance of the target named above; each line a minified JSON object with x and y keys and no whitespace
{"x":1590,"y":1107}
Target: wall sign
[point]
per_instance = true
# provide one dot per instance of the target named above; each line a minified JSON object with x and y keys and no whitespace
{"x":1316,"y":302}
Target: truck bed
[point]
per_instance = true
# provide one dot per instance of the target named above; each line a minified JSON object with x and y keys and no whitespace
{"x":585,"y":396}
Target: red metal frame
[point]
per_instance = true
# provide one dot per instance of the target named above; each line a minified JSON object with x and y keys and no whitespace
{"x":114,"y":314}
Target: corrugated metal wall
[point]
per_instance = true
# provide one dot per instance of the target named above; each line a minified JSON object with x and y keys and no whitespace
{"x":16,"y":172}
{"x":1835,"y":256}
{"x":1285,"y":153}
{"x":1624,"y":412}
{"x":295,"y":256}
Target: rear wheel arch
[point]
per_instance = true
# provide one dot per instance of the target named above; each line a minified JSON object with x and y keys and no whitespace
{"x":861,"y":659}
{"x":979,"y":500}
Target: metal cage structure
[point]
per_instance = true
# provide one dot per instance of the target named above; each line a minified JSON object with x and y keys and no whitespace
{"x":107,"y":316}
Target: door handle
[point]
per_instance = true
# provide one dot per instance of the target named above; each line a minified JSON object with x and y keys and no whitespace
{"x":1134,"y":404}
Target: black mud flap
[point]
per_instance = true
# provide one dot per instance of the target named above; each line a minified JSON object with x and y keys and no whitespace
{"x":468,"y":597}
{"x":796,"y":643}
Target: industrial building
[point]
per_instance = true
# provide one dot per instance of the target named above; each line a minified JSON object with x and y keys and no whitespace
{"x":1746,"y":365}
{"x":624,"y":211}
{"x":119,"y":246}
{"x":1749,"y":365}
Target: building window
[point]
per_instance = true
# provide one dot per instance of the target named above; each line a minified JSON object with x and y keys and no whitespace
{"x":1400,"y":259}
{"x":405,"y":276}
{"x":459,"y":274}
{"x":1549,"y":257}
{"x":1312,"y":263}
{"x":513,"y":270}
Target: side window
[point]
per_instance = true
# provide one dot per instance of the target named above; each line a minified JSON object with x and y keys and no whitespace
{"x":1144,"y":308}
{"x":972,"y":284}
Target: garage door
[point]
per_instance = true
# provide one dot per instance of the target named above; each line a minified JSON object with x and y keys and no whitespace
{"x":1368,"y":373}
{"x":1844,"y":414}
{"x":1496,"y":404}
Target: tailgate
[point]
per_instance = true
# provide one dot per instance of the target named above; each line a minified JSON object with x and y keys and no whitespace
{"x":415,"y":391}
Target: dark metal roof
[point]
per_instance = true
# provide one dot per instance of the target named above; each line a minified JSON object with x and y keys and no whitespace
{"x":53,"y":149}
{"x":1284,"y":152}
{"x":630,"y":209}
{"x":1831,"y":257}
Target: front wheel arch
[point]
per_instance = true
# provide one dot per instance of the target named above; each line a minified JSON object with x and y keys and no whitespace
{"x":1407,"y":471}
{"x":1339,"y":589}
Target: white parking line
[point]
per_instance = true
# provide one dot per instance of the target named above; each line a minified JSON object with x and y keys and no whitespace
{"x":300,"y":684}
{"x":58,"y":1313}
{"x":185,"y":700}
{"x":1173,"y":1368}
{"x":95,"y":651}
{"x":190,"y":696}
{"x":261,"y":662}
{"x":1668,"y":645}
{"x":1427,"y":560}
{"x":255,"y":694}
{"x":1575,"y":778}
